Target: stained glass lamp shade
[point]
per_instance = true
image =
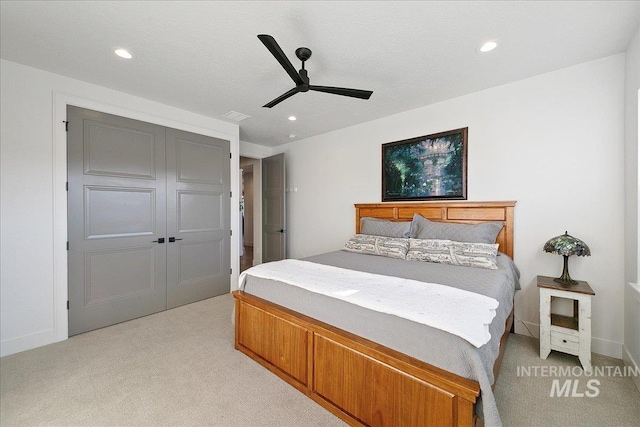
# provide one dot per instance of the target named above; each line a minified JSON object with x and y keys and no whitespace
{"x":566,"y":246}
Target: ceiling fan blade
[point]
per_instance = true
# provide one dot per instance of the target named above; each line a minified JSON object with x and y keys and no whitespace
{"x":282,"y":97}
{"x":275,"y":50}
{"x":354,"y":93}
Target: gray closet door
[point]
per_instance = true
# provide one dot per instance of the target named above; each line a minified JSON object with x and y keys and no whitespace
{"x":148,"y":218}
{"x":199,"y":217}
{"x":274,"y":242}
{"x":116,"y":214}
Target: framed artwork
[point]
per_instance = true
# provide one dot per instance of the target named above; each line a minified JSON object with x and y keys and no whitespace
{"x":430,"y":167}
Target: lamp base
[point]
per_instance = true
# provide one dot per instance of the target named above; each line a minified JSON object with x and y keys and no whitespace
{"x":565,"y":279}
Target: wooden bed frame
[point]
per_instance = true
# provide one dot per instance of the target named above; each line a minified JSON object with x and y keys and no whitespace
{"x":361,"y":382}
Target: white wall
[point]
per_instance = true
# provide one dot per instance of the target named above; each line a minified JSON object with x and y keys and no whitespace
{"x":554,"y":143}
{"x":631,"y":353}
{"x":33,"y":266}
{"x":254,"y":151}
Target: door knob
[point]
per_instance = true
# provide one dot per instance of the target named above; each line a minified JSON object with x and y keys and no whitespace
{"x":173,"y":239}
{"x":160,"y":240}
{"x":281,"y":230}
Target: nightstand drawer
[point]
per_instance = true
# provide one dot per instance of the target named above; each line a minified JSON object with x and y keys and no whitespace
{"x":567,"y":343}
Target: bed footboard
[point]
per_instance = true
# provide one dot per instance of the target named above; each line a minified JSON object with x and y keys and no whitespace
{"x":359,"y":381}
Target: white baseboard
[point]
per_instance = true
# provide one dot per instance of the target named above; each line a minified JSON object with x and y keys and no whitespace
{"x":606,"y":347}
{"x":527,"y":328}
{"x":629,"y":361}
{"x":16,"y":345}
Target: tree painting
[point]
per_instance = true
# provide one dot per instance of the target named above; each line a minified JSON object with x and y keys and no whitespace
{"x":427,"y":167}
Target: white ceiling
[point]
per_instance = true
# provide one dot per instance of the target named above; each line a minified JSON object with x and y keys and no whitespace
{"x":205,"y":57}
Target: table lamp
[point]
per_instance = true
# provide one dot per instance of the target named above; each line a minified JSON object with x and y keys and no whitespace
{"x":566,"y":246}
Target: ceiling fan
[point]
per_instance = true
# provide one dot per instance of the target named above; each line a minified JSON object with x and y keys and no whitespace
{"x":300,"y":78}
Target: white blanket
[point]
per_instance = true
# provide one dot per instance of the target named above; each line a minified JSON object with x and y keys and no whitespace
{"x":459,"y":312}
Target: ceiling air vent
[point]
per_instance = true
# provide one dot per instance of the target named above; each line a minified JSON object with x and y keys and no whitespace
{"x":235,"y":116}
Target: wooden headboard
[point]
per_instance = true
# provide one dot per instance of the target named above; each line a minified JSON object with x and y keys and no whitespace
{"x":461,"y":212}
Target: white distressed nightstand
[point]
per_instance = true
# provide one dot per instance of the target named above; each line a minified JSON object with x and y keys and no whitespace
{"x":565,"y":333}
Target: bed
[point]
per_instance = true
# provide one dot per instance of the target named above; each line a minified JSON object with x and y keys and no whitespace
{"x":372,"y":375}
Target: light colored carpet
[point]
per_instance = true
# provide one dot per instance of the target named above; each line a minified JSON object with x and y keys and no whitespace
{"x":525,"y":400}
{"x":179,"y":367}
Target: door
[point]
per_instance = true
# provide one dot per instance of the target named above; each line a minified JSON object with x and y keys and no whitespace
{"x":274,"y":242}
{"x":198,"y":217}
{"x":148,"y":218}
{"x":116,"y":218}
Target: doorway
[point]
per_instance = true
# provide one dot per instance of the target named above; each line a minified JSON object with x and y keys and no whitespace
{"x":263,"y":210}
{"x":250,"y":213}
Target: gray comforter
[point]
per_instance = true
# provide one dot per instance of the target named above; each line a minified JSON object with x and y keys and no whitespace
{"x":433,"y":346}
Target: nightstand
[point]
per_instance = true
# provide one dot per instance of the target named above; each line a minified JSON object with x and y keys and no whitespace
{"x":569,"y":334}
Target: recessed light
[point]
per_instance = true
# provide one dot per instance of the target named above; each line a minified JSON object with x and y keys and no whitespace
{"x":123,"y":53}
{"x":292,"y":136}
{"x":292,"y":118}
{"x":489,"y":46}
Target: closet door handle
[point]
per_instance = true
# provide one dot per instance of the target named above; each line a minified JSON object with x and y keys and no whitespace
{"x":160,"y":240}
{"x":173,"y":239}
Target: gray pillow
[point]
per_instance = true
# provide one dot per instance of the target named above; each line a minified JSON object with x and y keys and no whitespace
{"x":385,"y":228}
{"x":422,"y":228}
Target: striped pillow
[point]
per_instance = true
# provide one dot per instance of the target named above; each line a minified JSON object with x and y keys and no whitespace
{"x":391,"y":247}
{"x":480,"y":255}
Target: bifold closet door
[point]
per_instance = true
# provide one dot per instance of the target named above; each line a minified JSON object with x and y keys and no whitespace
{"x":199,"y":217}
{"x":116,"y":217}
